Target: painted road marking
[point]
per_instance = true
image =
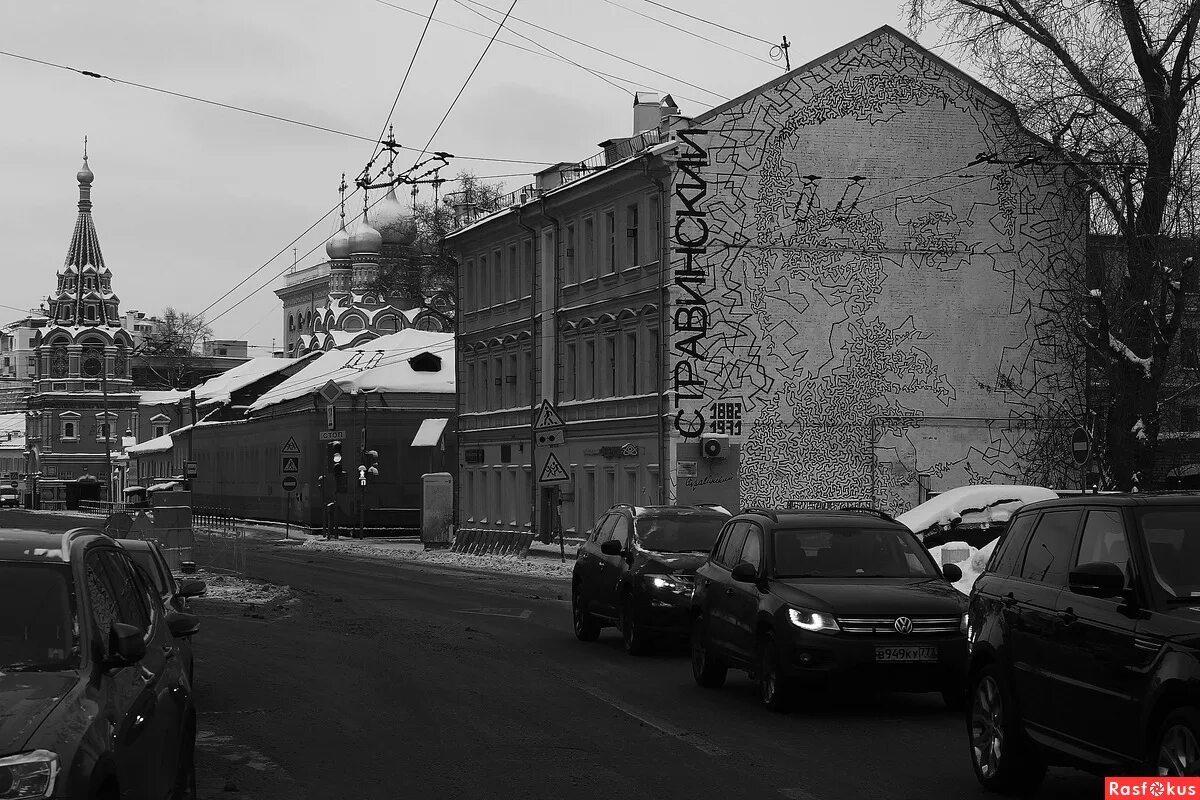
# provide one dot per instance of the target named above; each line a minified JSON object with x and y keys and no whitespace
{"x":662,"y":726}
{"x":512,"y":613}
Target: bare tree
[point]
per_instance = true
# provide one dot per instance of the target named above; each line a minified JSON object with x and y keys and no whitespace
{"x":170,"y":348}
{"x":1111,"y":85}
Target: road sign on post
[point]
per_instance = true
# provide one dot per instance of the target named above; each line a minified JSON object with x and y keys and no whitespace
{"x":548,"y":426}
{"x":1081,"y":446}
{"x":189,"y":469}
{"x":291,"y":465}
{"x":553,"y":472}
{"x":331,"y":392}
{"x":289,"y":484}
{"x":331,"y":436}
{"x":290,"y":447}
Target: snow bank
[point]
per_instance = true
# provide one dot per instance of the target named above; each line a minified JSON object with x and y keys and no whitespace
{"x":972,"y":566}
{"x":535,"y":567}
{"x":979,"y":503}
{"x":238,"y":589}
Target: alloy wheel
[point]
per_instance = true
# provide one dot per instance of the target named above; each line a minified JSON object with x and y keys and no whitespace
{"x":1179,"y":753}
{"x":987,"y":727}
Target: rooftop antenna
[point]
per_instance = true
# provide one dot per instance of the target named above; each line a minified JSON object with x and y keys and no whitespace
{"x":781,"y":51}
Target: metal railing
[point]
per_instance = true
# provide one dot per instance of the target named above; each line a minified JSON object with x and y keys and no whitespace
{"x":213,"y":518}
{"x":102,"y":508}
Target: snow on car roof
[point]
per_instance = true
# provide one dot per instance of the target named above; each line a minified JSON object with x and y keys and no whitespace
{"x":990,"y":502}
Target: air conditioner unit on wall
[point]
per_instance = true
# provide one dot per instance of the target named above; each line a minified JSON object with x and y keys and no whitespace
{"x":714,"y":445}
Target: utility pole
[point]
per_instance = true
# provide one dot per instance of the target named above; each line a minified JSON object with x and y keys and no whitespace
{"x":362,"y":475}
{"x":106,"y":427}
{"x":191,"y":431}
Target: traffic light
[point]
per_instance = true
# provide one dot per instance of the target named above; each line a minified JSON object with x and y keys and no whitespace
{"x":336,"y":468}
{"x":369,"y":466}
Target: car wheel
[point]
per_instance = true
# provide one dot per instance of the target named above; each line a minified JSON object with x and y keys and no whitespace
{"x":587,"y":629}
{"x":706,"y":669}
{"x":774,"y":688}
{"x":637,"y":642}
{"x":1002,"y":760}
{"x":1177,"y":746}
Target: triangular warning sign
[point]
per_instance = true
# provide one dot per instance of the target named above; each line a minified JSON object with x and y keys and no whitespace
{"x":291,"y":446}
{"x":553,"y":472}
{"x":290,"y":465}
{"x":547,"y":418}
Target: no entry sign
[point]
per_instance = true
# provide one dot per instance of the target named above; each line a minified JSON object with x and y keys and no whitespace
{"x":1081,"y":446}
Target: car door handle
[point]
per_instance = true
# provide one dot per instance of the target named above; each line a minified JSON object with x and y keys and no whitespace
{"x":1068,"y":617}
{"x":1009,"y":600}
{"x":729,"y":591}
{"x":146,"y":675}
{"x":170,"y":651}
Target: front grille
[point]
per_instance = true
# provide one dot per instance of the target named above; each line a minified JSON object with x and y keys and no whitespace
{"x":885,"y":626}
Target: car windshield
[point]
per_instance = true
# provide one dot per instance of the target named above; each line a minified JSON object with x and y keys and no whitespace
{"x":38,"y":628}
{"x":849,"y":552}
{"x":1173,"y":538}
{"x":145,"y":559}
{"x":682,"y":533}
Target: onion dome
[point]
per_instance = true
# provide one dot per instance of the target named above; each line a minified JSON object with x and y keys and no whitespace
{"x":365,"y":239}
{"x":338,"y":247}
{"x":394,"y":222}
{"x":85,"y":173}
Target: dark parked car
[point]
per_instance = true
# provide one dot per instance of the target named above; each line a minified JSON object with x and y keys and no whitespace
{"x":1085,"y":637}
{"x":9,"y":497}
{"x":635,"y":571}
{"x":94,"y":701}
{"x":149,"y":556}
{"x":806,"y":597}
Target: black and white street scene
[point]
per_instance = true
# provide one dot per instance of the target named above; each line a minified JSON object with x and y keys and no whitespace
{"x":555,"y":399}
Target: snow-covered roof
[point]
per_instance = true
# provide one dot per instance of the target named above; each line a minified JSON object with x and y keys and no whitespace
{"x":12,"y":422}
{"x":167,"y":397}
{"x":159,"y":444}
{"x":380,"y":365}
{"x":219,"y":388}
{"x":978,"y":503}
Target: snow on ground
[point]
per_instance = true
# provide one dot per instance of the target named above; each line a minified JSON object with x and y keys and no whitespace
{"x":238,"y":589}
{"x":538,"y":566}
{"x":971,"y":566}
{"x":977,"y":503}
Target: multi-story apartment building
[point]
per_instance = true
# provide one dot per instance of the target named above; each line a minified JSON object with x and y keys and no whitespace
{"x":18,"y":360}
{"x":853,"y":284}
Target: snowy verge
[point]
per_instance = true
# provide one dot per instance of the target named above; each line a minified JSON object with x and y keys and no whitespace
{"x":971,"y":566}
{"x":536,"y":567}
{"x":237,"y":589}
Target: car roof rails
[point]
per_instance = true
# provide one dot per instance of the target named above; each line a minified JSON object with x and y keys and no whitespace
{"x":867,"y":510}
{"x":769,"y":513}
{"x":73,"y":534}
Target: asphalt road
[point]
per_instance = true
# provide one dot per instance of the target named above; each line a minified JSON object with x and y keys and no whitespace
{"x":386,"y":680}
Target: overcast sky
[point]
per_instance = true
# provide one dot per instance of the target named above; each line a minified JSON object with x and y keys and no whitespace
{"x":191,"y":198}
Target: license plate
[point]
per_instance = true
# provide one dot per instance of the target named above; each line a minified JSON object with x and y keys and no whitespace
{"x":906,"y":654}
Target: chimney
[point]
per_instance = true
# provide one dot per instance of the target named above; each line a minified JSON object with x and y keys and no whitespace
{"x":645,"y":112}
{"x":667,"y":108}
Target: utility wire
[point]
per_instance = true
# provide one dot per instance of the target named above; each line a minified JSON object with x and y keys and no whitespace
{"x":276,"y":117}
{"x":463,"y":88}
{"x":693,"y":33}
{"x":710,"y":22}
{"x":548,"y":50}
{"x":551,"y":54}
{"x":605,"y":52}
{"x":404,"y":80}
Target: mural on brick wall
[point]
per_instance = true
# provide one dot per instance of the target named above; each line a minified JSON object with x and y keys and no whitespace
{"x":872,"y":277}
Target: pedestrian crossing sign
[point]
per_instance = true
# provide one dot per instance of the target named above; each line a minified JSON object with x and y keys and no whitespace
{"x":291,"y":464}
{"x":547,"y":418}
{"x":553,"y":471}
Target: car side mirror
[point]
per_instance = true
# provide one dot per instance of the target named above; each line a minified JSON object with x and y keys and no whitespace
{"x":612,"y":547}
{"x":126,"y":645}
{"x":183,"y":625}
{"x":952,"y":572}
{"x":744,"y":573}
{"x":192,"y":589}
{"x":1097,"y":579}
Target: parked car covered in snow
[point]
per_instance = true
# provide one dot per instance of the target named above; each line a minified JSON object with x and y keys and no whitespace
{"x":975,"y":514}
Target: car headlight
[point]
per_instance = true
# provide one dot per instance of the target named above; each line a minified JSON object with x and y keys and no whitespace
{"x":668,"y":583}
{"x":812,"y":620}
{"x":28,"y":775}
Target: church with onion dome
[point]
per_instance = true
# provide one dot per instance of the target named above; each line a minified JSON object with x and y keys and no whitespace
{"x":84,"y":397}
{"x":340,"y":302}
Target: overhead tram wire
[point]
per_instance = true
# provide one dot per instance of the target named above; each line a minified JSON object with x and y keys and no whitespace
{"x":548,"y":50}
{"x":463,"y":88}
{"x":550,"y":54}
{"x":403,"y":81}
{"x":243,"y":110}
{"x":605,"y":52}
{"x":710,"y":22}
{"x":694,"y":34}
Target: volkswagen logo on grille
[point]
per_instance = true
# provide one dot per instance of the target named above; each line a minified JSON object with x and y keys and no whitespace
{"x":903,"y":625}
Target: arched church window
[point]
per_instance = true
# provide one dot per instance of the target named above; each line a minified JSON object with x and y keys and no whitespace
{"x":291,"y":323}
{"x":92,"y":363}
{"x":389,"y":324}
{"x":121,"y":362}
{"x":59,"y":361}
{"x":352,"y":323}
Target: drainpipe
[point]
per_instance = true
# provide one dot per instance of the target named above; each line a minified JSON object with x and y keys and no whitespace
{"x":663,"y":339}
{"x":533,"y":403}
{"x":557,"y":366}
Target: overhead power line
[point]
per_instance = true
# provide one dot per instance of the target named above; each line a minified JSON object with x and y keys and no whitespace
{"x":710,"y":22}
{"x":463,"y":88}
{"x":403,"y":81}
{"x":694,"y":34}
{"x":242,"y":109}
{"x":605,"y":52}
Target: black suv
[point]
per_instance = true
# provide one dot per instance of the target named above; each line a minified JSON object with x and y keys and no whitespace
{"x":94,"y":701}
{"x":150,"y":557}
{"x":1085,"y":637}
{"x":807,"y":596}
{"x":635,"y":571}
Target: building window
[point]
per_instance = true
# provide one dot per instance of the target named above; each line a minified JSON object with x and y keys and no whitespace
{"x":485,"y":283}
{"x":159,"y":430}
{"x":470,"y":398}
{"x":569,"y":276}
{"x":485,"y":391}
{"x":70,"y":430}
{"x":610,"y":241}
{"x":498,"y":382}
{"x":610,"y":366}
{"x":631,"y":364}
{"x":589,"y":249}
{"x":500,"y":286}
{"x":105,"y":425}
{"x":632,"y":250}
{"x":571,"y":389}
{"x":291,"y":322}
{"x":514,"y":274}
{"x":93,"y":360}
{"x":59,"y":360}
{"x":589,"y":368}
{"x":1188,"y":349}
{"x":511,"y":390}
{"x":527,"y":269}
{"x":655,"y":227}
{"x":652,"y":357}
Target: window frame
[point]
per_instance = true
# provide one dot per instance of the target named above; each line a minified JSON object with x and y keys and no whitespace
{"x":1070,"y":550}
